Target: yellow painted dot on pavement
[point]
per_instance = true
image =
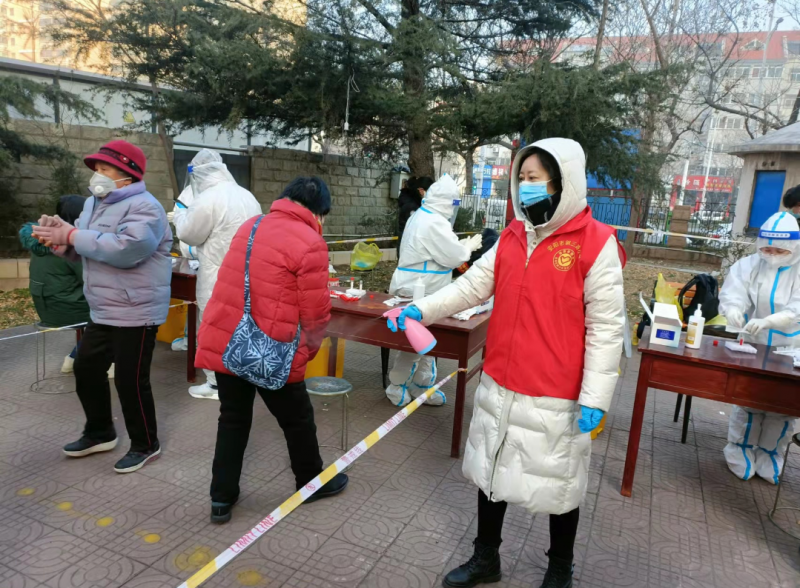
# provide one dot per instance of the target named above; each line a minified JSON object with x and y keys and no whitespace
{"x":152,"y":538}
{"x":25,"y":491}
{"x":249,"y":578}
{"x":105,"y":522}
{"x":64,"y":506}
{"x":199,"y":557}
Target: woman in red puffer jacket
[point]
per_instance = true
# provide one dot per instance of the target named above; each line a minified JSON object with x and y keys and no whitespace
{"x":288,"y":286}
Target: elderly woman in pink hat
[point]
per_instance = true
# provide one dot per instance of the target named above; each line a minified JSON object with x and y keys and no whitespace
{"x":124,"y":241}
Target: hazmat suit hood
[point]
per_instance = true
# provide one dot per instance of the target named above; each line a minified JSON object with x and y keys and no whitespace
{"x":440,"y":196}
{"x":209,"y":170}
{"x":571,"y":161}
{"x":781,"y":230}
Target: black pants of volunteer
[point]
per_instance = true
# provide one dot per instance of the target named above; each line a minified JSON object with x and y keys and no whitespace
{"x":290,"y":405}
{"x":130,"y":349}
{"x":563,"y":527}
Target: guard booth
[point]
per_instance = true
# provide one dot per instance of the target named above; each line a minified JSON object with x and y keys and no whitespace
{"x":771,"y":166}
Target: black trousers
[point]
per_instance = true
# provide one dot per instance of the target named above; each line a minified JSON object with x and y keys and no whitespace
{"x":290,"y":405}
{"x":563,"y":527}
{"x":130,"y":349}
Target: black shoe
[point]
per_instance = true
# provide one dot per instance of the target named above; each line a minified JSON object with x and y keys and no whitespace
{"x":85,"y":446}
{"x":221,"y":512}
{"x":334,"y":486}
{"x":136,"y":460}
{"x":482,"y":568}
{"x":559,"y":573}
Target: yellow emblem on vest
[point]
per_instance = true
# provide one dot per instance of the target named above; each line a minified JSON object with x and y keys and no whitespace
{"x":564,"y":259}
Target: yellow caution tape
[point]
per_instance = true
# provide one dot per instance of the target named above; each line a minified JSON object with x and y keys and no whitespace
{"x":301,"y":495}
{"x":658,"y":232}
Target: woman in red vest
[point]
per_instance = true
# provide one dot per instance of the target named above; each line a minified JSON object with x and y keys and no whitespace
{"x":552,"y":353}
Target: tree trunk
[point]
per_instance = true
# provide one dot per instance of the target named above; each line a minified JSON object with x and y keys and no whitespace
{"x":640,"y":193}
{"x":795,"y":109}
{"x":420,"y":140}
{"x":601,"y":31}
{"x":469,"y":161}
{"x":166,"y":145}
{"x":420,"y":153}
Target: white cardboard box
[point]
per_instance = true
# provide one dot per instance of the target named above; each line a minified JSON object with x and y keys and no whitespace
{"x":666,"y":329}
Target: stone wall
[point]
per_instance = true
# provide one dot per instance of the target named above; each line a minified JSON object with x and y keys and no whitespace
{"x":33,"y":178}
{"x":357,"y":190}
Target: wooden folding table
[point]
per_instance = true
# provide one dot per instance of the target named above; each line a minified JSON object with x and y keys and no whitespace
{"x":183,"y":287}
{"x":765,"y":381}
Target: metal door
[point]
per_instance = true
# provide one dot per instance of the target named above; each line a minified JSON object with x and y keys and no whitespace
{"x":766,"y":197}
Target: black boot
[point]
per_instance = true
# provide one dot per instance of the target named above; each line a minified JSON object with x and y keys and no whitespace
{"x":482,"y":568}
{"x":559,"y":573}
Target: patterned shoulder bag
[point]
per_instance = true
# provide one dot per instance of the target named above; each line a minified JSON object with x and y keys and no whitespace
{"x":253,"y":355}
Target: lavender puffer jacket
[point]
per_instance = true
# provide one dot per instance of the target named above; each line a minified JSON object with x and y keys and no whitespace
{"x":125,"y":240}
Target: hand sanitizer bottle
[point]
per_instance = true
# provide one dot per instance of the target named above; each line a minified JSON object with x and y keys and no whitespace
{"x":694,"y":331}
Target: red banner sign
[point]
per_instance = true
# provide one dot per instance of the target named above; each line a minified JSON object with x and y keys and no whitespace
{"x":715,"y":183}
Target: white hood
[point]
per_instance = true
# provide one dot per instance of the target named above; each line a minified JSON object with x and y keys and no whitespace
{"x":781,"y":230}
{"x":439,"y":197}
{"x":572,"y":161}
{"x":208,"y":170}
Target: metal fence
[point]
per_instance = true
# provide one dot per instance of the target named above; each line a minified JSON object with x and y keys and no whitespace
{"x":488,"y":210}
{"x":710,"y":218}
{"x":611,"y":208}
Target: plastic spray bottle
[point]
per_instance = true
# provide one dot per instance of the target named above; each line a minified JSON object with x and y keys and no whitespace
{"x":694,"y":330}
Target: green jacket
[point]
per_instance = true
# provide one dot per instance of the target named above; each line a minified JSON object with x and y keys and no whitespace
{"x":56,"y":284}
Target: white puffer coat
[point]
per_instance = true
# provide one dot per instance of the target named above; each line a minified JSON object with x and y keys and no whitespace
{"x":529,"y":450}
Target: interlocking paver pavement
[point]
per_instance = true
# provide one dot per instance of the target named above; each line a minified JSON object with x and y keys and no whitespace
{"x":407,"y":517}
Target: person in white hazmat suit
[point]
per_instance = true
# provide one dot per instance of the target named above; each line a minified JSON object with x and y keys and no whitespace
{"x":206,"y":226}
{"x":429,"y":252}
{"x":762,"y":294}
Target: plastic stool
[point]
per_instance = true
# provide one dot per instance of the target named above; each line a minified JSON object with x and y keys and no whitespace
{"x":775,"y":507}
{"x":326,"y":386}
{"x":58,"y":387}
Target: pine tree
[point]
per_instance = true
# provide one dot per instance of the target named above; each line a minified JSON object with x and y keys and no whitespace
{"x":409,"y":76}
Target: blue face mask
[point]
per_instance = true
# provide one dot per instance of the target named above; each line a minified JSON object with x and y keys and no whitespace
{"x":532,"y":192}
{"x":795,"y":214}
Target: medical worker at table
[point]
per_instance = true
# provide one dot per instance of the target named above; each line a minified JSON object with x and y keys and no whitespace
{"x":207,"y":226}
{"x":552,"y":353}
{"x":762,"y":294}
{"x":430,"y":251}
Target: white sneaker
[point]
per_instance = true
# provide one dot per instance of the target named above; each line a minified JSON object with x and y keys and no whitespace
{"x":66,"y":367}
{"x":180,"y":344}
{"x":111,"y":372}
{"x":204,"y":391}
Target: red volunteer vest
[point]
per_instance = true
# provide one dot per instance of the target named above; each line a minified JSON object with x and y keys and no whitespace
{"x":537,"y":332}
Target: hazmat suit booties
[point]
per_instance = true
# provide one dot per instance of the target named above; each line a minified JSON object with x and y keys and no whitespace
{"x":757,"y":443}
{"x":411,"y":377}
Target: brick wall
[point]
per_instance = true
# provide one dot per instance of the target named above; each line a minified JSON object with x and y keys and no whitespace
{"x":357,"y":190}
{"x":33,"y":178}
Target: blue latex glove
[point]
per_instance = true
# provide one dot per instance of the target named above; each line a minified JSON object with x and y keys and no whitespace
{"x":411,"y":312}
{"x":590,"y":418}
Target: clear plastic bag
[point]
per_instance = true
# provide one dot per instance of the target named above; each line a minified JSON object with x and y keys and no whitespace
{"x":365,"y":257}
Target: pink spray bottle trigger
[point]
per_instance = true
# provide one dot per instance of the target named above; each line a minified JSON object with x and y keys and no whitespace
{"x":420,"y":338}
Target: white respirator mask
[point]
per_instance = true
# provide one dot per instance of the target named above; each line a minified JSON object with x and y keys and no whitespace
{"x":101,"y":185}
